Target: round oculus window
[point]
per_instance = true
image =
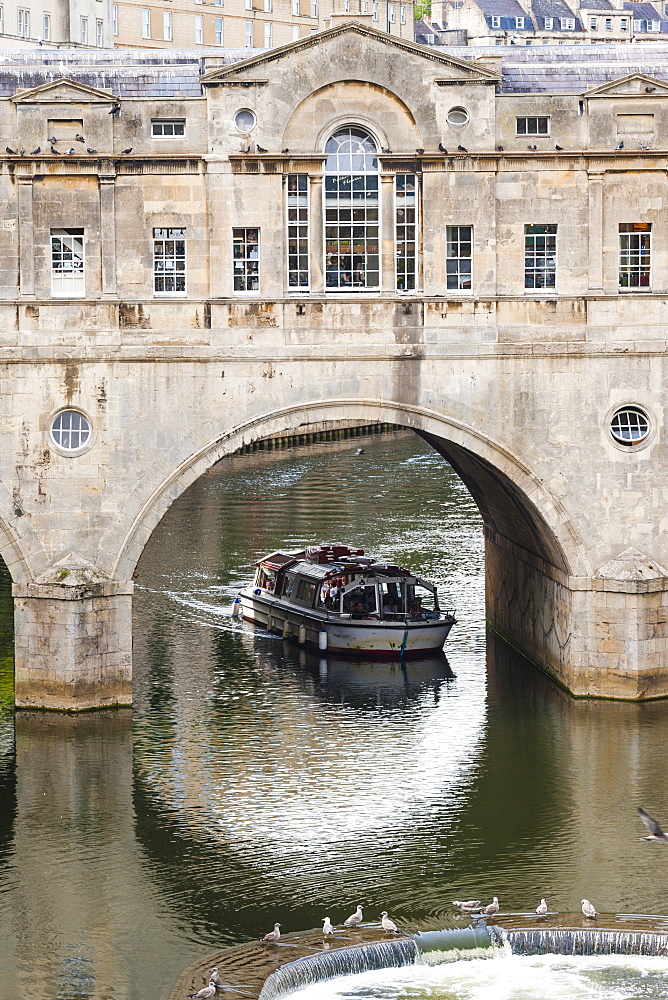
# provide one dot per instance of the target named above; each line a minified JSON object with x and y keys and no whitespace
{"x":629,"y":426}
{"x":457,"y":117}
{"x":71,"y":431}
{"x":245,"y":120}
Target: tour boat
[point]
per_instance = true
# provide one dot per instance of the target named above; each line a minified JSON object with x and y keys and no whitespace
{"x":341,"y":601}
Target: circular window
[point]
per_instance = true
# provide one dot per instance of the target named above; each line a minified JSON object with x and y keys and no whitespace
{"x":629,"y":425}
{"x":71,"y":431}
{"x":457,"y":117}
{"x":244,"y":120}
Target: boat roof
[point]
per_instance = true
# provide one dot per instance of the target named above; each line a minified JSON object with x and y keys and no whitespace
{"x":322,"y":561}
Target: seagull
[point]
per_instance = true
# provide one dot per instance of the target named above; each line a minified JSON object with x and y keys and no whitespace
{"x":360,"y":451}
{"x":286,"y":150}
{"x":260,"y":148}
{"x":441,"y":148}
{"x":79,"y":138}
{"x":489,"y":911}
{"x":385,"y":149}
{"x":273,"y":936}
{"x":462,"y":149}
{"x":532,"y":147}
{"x":126,"y":151}
{"x":620,"y":145}
{"x":354,"y":919}
{"x":559,"y":148}
{"x":327,"y":926}
{"x":36,"y":151}
{"x":588,"y":909}
{"x":419,"y":151}
{"x":10,"y":151}
{"x":387,"y":924}
{"x":91,"y":151}
{"x":541,"y":909}
{"x":214,"y":977}
{"x":469,"y":904}
{"x":655,"y":831}
{"x":204,"y":994}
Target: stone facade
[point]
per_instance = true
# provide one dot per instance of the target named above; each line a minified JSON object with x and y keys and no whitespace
{"x":511,"y":370}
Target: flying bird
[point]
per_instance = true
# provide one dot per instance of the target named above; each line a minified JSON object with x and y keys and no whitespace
{"x":354,"y":919}
{"x":441,"y":148}
{"x":387,"y":924}
{"x":286,"y":150}
{"x":462,"y":149}
{"x":468,"y":904}
{"x":491,"y":909}
{"x":214,"y":977}
{"x":588,"y":909}
{"x":91,"y":151}
{"x":36,"y":151}
{"x":532,"y":147}
{"x":273,"y":936}
{"x":260,"y":148}
{"x":205,"y":993}
{"x":620,"y":145}
{"x":79,"y":138}
{"x":558,"y":148}
{"x":327,"y":926}
{"x":541,"y":909}
{"x":10,"y":151}
{"x":655,"y":831}
{"x":126,"y":151}
{"x":419,"y":151}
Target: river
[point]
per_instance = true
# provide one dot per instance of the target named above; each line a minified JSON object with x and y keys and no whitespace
{"x":252,"y":783}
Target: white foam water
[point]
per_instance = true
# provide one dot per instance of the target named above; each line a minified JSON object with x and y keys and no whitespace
{"x":502,"y":976}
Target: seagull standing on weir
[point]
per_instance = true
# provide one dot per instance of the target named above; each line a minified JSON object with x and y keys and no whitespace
{"x":327,"y":926}
{"x":387,"y":924}
{"x":589,"y":909}
{"x":214,"y":977}
{"x":491,"y":909}
{"x":655,"y":831}
{"x":273,"y":936}
{"x":354,"y":919}
{"x":541,"y":909}
{"x":205,"y":993}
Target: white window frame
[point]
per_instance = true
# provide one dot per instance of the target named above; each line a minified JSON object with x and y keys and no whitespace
{"x":390,"y":13}
{"x":637,"y":252}
{"x":637,"y":24}
{"x":402,"y":14}
{"x":496,"y":21}
{"x":268,"y":6}
{"x":199,"y":29}
{"x":530,"y":128}
{"x":168,"y":128}
{"x":68,"y":281}
{"x":456,"y":276}
{"x":2,"y":21}
{"x":268,"y":34}
{"x":567,"y":23}
{"x":146,"y":22}
{"x":114,"y":18}
{"x":624,"y":24}
{"x":248,"y":4}
{"x":296,"y":33}
{"x":46,"y":26}
{"x":519,"y":22}
{"x":608,"y":24}
{"x":218,"y":31}
{"x":99,"y":33}
{"x":549,"y":23}
{"x":167,"y":31}
{"x":243,"y":272}
{"x":23,"y":22}
{"x":314,"y":8}
{"x":405,"y":204}
{"x":173,"y":234}
{"x":249,"y":34}
{"x":593,"y":24}
{"x":295,"y":8}
{"x":540,"y":254}
{"x":84,"y":31}
{"x":299,"y":226}
{"x":654,"y":25}
{"x":346,"y":6}
{"x":374,"y":10}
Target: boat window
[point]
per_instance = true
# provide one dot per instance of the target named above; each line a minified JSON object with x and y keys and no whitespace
{"x":267,"y":579}
{"x":288,"y":584}
{"x":306,"y":592}
{"x":391,"y":600}
{"x":361,"y":600}
{"x":420,"y":601}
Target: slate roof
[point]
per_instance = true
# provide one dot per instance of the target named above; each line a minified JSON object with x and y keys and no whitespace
{"x":504,"y":8}
{"x":555,"y":9}
{"x":596,"y":5}
{"x":645,"y":12}
{"x":423,"y":29}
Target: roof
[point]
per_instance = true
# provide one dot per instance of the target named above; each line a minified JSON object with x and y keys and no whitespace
{"x":596,"y":5}
{"x":552,"y":8}
{"x":503,"y":8}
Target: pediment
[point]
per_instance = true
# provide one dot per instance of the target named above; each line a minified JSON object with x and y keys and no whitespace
{"x":63,"y":91}
{"x":632,"y":85}
{"x":257,"y":69}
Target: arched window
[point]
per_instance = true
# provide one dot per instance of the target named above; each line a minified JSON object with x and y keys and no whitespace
{"x":352,"y":259}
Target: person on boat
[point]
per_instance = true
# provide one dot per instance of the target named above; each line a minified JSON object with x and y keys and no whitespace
{"x":360,"y":611}
{"x":325,"y":591}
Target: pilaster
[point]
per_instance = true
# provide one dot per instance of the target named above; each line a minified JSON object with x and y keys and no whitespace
{"x":26,"y":236}
{"x":107,"y":180}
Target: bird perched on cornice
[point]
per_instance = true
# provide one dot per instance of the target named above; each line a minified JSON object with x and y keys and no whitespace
{"x":620,"y":145}
{"x":91,"y":151}
{"x":419,"y":151}
{"x":462,"y":149}
{"x":54,"y":152}
{"x":441,"y":148}
{"x":126,"y":151}
{"x":532,"y":147}
{"x":10,"y":151}
{"x":558,"y":148}
{"x":34,"y":152}
{"x":284,"y":151}
{"x":385,"y":149}
{"x":79,"y":138}
{"x":260,"y":148}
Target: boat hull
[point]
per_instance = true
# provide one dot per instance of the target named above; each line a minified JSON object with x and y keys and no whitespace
{"x":364,"y":637}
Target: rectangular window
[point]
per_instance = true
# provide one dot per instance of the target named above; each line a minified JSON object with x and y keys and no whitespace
{"x":533,"y":126}
{"x":314,"y":8}
{"x":405,"y":210}
{"x":246,"y":259}
{"x":519,"y":22}
{"x":67,"y":263}
{"x":352,"y":252}
{"x":217,"y":31}
{"x":549,"y":23}
{"x":46,"y":28}
{"x":654,"y":25}
{"x":268,"y":6}
{"x":374,"y":10}
{"x":23,"y":23}
{"x":2,"y":21}
{"x":402,"y":15}
{"x":167,"y":25}
{"x":168,"y":128}
{"x":459,"y":257}
{"x":169,"y":261}
{"x":624,"y":24}
{"x":540,"y":256}
{"x":248,"y":4}
{"x":635,"y":255}
{"x":298,"y":231}
{"x":114,"y":18}
{"x":146,"y":23}
{"x":199,"y":29}
{"x":567,"y":23}
{"x":99,"y":34}
{"x":295,"y":33}
{"x":249,"y":34}
{"x":346,"y":6}
{"x":496,"y":21}
{"x":608,"y":24}
{"x":637,"y":25}
{"x":268,"y":34}
{"x":84,"y":31}
{"x":295,"y":8}
{"x":390,"y":13}
{"x":593,"y":24}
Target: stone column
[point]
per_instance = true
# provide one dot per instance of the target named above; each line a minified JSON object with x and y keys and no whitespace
{"x":317,"y":232}
{"x":387,"y":263}
{"x":73,"y":644}
{"x":26,"y":244}
{"x":595,"y":232}
{"x":108,"y":228}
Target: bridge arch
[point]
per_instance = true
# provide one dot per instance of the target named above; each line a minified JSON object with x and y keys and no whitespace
{"x":518,"y":509}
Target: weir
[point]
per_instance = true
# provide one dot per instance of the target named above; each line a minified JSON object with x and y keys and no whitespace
{"x":583,"y":941}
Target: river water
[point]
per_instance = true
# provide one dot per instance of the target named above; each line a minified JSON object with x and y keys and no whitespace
{"x":252,"y":783}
